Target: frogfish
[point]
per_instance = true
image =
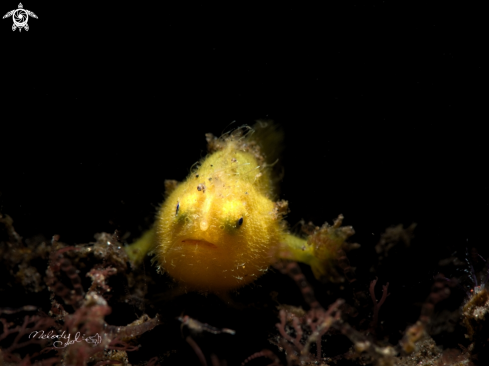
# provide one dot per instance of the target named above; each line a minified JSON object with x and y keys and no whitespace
{"x":223,"y":226}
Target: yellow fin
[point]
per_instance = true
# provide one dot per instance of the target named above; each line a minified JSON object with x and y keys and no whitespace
{"x":320,"y":249}
{"x":138,"y":250}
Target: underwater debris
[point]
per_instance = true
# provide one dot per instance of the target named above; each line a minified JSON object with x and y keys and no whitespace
{"x":439,"y":291}
{"x":75,"y":331}
{"x":92,"y":288}
{"x":377,"y":303}
{"x":197,"y":327}
{"x":18,"y":256}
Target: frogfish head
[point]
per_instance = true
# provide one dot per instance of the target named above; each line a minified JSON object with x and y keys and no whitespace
{"x":215,"y":231}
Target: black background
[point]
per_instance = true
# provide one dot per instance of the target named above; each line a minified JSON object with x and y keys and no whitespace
{"x":383,"y":108}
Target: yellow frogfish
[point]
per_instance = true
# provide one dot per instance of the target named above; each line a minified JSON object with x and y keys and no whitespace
{"x":223,"y":227}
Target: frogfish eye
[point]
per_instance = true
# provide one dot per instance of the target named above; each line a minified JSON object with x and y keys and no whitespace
{"x":240,"y":222}
{"x":178,"y":206}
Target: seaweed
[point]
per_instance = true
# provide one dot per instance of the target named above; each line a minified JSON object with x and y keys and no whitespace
{"x":86,"y":304}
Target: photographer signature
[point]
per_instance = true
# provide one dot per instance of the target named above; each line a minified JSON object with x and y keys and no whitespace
{"x":64,"y":339}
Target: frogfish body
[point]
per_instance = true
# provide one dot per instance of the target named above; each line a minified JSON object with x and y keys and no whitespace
{"x":215,"y":230}
{"x":220,"y":229}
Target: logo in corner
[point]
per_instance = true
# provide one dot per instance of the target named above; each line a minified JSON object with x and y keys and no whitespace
{"x":20,"y":17}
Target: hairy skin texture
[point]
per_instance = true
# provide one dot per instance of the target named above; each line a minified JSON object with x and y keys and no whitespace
{"x":220,"y":237}
{"x":220,"y":229}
